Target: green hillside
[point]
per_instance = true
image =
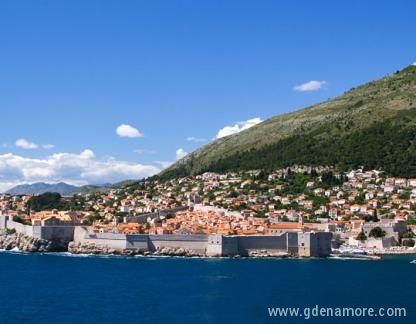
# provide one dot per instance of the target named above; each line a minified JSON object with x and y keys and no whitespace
{"x":373,"y":125}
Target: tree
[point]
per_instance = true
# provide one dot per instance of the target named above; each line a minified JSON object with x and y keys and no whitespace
{"x":375,"y":215}
{"x":328,"y":179}
{"x":408,"y":234}
{"x":409,"y":242}
{"x":170,"y":215}
{"x":10,"y":231}
{"x":411,"y":220}
{"x":47,"y":201}
{"x":262,"y":175}
{"x":361,"y":236}
{"x":369,"y":218}
{"x":377,"y":232}
{"x":18,"y":219}
{"x":234,"y":194}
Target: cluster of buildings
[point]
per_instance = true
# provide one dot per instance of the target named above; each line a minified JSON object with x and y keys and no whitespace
{"x":291,"y":200}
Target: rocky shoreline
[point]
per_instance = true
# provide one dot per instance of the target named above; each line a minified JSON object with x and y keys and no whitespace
{"x":10,"y":240}
{"x":92,"y":248}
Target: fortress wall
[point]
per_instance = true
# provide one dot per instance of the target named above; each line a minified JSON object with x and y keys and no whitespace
{"x":219,"y":245}
{"x":292,"y":243}
{"x":214,"y":246}
{"x":230,"y":246}
{"x":59,"y":233}
{"x":109,"y":240}
{"x":272,"y":243}
{"x":21,"y":228}
{"x":324,"y":244}
{"x":314,"y":244}
{"x":197,"y":243}
{"x":140,"y":242}
{"x":3,"y":221}
{"x":143,"y":242}
{"x":218,"y":210}
{"x":302,"y":244}
{"x":142,"y":219}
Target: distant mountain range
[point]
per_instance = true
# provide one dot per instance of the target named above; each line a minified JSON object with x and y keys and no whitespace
{"x":373,"y":125}
{"x":40,"y":187}
{"x":63,"y":188}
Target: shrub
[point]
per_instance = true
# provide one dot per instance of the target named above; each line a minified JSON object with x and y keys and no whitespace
{"x":361,"y":237}
{"x":10,"y":231}
{"x":409,"y":242}
{"x":377,"y":232}
{"x":17,"y":219}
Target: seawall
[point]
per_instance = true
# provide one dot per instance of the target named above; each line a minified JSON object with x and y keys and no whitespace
{"x":112,"y":243}
{"x":58,"y":236}
{"x":77,"y":239}
{"x":286,"y":244}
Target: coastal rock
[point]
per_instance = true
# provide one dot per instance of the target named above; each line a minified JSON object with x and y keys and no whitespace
{"x":9,"y":241}
{"x":99,"y":249}
{"x":180,"y":252}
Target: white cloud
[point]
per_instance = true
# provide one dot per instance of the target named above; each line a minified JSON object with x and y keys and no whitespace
{"x":195,"y":139}
{"x":236,"y":128}
{"x":25,"y":144}
{"x":144,"y":151}
{"x":87,"y":154}
{"x":78,"y":169}
{"x":125,"y":130}
{"x":414,"y":63}
{"x":312,"y":85}
{"x":180,"y":153}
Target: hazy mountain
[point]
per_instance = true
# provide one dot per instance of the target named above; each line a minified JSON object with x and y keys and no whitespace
{"x":40,"y":187}
{"x":63,"y":188}
{"x":373,"y":125}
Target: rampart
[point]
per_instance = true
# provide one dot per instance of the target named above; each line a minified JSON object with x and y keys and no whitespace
{"x":60,"y":236}
{"x":303,"y":244}
{"x":287,"y":244}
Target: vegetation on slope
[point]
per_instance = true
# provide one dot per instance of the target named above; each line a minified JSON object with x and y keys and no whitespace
{"x":47,"y":201}
{"x":373,"y":126}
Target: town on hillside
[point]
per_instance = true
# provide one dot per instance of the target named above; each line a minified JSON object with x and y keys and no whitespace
{"x":364,"y":209}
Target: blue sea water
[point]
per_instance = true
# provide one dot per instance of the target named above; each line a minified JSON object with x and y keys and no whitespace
{"x":65,"y":289}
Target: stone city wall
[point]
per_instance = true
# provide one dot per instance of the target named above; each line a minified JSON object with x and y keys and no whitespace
{"x":218,"y":210}
{"x":82,"y":241}
{"x":142,"y":219}
{"x":192,"y":243}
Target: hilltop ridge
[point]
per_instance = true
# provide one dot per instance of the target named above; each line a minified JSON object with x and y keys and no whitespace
{"x":372,"y":125}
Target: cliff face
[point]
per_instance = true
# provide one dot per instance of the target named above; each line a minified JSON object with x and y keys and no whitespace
{"x":9,"y":241}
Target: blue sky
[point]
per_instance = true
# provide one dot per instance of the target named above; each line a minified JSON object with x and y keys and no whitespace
{"x":178,"y":72}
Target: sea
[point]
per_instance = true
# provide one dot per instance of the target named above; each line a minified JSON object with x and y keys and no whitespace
{"x":62,"y":288}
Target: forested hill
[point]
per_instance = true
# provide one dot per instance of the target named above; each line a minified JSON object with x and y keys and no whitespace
{"x":373,"y":125}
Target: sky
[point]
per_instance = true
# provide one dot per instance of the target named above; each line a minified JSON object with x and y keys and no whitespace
{"x":93,"y":92}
